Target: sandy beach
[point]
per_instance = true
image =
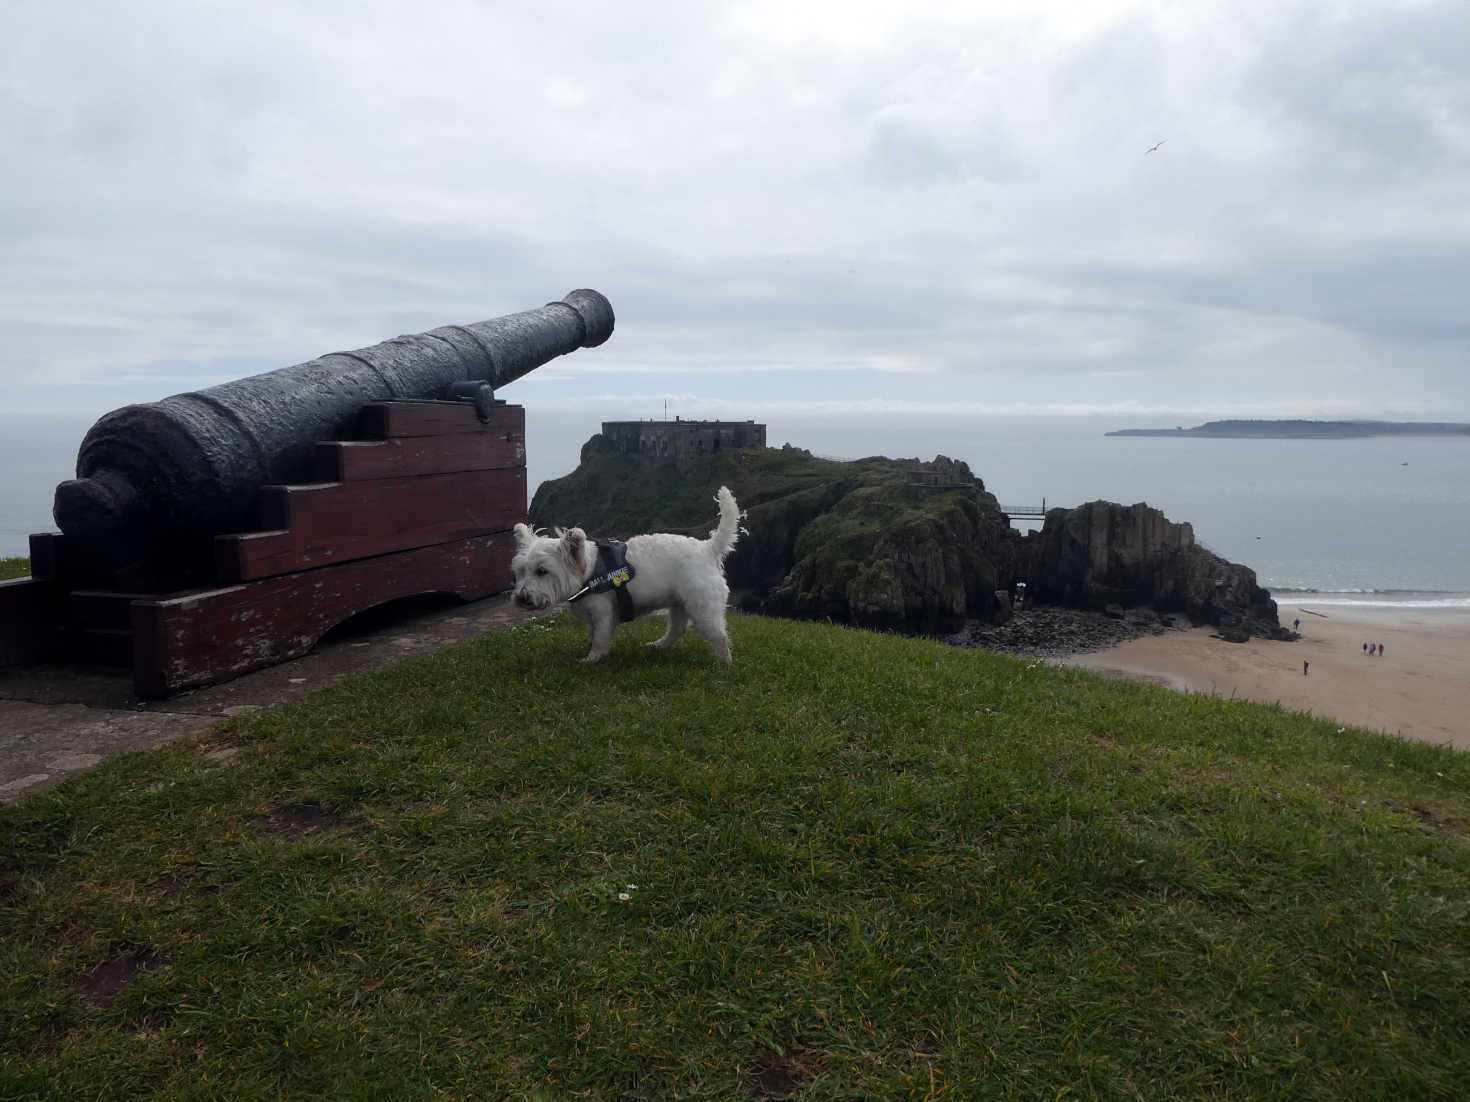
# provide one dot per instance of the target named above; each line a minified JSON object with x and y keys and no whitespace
{"x":1419,"y":688}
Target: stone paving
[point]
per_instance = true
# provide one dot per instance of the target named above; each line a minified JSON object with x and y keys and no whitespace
{"x":57,"y":721}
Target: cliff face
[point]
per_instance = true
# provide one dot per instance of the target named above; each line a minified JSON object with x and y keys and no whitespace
{"x":903,"y":545}
{"x":1102,"y":553}
{"x":926,"y":569}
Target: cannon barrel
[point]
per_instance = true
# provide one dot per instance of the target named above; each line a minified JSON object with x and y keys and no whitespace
{"x":191,"y":464}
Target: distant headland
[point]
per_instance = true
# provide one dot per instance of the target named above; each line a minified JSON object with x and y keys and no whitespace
{"x":1305,"y":430}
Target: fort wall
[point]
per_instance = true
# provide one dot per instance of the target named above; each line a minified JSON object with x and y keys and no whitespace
{"x":679,"y":438}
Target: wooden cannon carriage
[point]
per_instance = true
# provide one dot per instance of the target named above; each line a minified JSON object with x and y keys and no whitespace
{"x":227,"y":529}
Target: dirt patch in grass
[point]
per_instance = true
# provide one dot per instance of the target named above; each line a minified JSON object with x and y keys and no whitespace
{"x":170,"y":885}
{"x":776,"y":1074}
{"x":293,"y":822}
{"x":1436,"y":821}
{"x":1433,"y":820}
{"x":103,"y":984}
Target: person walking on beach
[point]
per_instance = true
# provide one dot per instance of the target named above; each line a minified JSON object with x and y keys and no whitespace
{"x":1296,"y":625}
{"x":1304,"y":667}
{"x":1365,"y":648}
{"x":1380,"y":650}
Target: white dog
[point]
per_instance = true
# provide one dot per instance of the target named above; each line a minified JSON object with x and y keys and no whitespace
{"x":679,"y":573}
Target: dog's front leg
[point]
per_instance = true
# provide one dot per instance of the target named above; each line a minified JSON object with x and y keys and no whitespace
{"x":600,"y":626}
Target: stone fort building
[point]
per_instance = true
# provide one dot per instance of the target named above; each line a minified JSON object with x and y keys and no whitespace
{"x":679,"y":438}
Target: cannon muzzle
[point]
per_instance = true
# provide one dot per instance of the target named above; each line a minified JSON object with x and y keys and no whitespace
{"x":190,"y":465}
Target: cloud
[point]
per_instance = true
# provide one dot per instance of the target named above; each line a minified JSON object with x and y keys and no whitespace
{"x":945,"y":204}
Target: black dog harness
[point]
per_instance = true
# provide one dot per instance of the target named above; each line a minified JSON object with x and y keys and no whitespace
{"x":611,"y":571}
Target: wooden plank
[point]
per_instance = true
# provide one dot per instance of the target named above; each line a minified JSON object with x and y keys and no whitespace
{"x":100,"y":646}
{"x":380,"y":420}
{"x":101,"y":610}
{"x":357,"y":460}
{"x":46,"y":551}
{"x":275,"y":510}
{"x":182,"y":561}
{"x":334,"y":522}
{"x":30,"y":621}
{"x":207,"y":636}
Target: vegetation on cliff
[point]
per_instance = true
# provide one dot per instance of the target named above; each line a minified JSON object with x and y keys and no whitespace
{"x":886,"y":543}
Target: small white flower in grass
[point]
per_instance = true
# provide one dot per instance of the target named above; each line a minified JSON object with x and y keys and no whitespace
{"x":630,"y":887}
{"x":624,"y":896}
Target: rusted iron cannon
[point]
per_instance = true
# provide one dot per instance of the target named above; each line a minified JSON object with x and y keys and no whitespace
{"x":190,"y":466}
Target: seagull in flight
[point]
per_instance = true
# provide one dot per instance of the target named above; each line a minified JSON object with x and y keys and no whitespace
{"x":1146,"y":152}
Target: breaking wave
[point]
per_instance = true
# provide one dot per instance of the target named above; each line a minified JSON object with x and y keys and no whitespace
{"x":1372,"y":598}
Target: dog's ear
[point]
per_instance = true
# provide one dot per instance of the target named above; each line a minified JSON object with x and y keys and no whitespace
{"x":573,"y":543}
{"x":524,"y":536}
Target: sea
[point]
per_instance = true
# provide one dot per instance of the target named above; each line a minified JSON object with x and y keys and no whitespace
{"x":1379,"y":522}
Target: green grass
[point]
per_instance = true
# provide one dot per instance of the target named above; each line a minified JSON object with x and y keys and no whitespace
{"x":865,"y":866}
{"x":14,"y":568}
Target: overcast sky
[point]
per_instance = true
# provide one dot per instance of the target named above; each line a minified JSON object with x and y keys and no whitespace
{"x":928,"y":210}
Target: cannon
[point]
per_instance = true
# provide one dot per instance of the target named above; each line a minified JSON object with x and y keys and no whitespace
{"x":190,"y":466}
{"x":230,"y":528}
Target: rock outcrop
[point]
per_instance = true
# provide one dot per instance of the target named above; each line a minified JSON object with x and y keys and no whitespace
{"x":1052,"y":632}
{"x":905,"y":545}
{"x":925,"y":565}
{"x":897,"y":544}
{"x":1102,"y":554}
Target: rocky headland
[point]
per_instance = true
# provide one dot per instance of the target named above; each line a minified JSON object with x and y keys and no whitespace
{"x":1305,"y":430}
{"x":919,"y":547}
{"x":1105,"y":556}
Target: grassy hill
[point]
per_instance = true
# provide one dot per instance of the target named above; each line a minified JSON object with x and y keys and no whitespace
{"x":850,"y":865}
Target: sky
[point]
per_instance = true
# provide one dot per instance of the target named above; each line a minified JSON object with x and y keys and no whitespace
{"x":828,"y":217}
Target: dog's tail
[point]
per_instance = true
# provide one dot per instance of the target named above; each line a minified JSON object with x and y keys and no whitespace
{"x":722,"y":539}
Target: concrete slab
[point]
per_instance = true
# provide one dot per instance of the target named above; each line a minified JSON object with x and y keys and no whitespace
{"x":57,"y":721}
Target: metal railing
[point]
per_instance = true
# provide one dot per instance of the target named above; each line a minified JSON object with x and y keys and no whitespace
{"x":1027,"y":512}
